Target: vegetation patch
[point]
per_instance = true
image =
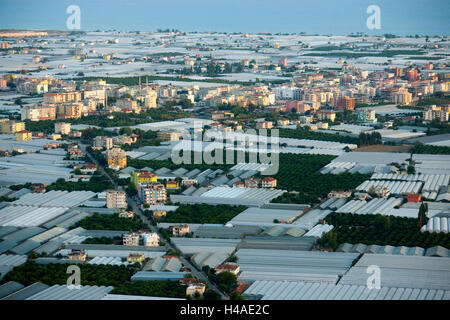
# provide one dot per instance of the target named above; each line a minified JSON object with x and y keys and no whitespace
{"x":110,"y":222}
{"x":203,"y":213}
{"x":380,"y":230}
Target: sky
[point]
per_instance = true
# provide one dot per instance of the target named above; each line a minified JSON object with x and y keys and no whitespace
{"x":338,"y":17}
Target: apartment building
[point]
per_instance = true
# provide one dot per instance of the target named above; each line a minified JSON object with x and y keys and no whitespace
{"x":142,"y":177}
{"x":436,"y":113}
{"x":179,"y":230}
{"x":366,"y":115}
{"x":269,"y":182}
{"x":32,"y":86}
{"x":116,"y":157}
{"x":11,"y":126}
{"x":150,"y":239}
{"x":23,"y":135}
{"x":103,"y":142}
{"x":38,"y":112}
{"x":168,"y":136}
{"x":62,"y":127}
{"x":402,"y":97}
{"x":130,"y":239}
{"x":326,"y":115}
{"x":152,"y":193}
{"x":62,"y":97}
{"x":128,"y":105}
{"x":150,"y":99}
{"x":344,"y":103}
{"x":264,"y":125}
{"x":69,"y":110}
{"x":116,"y":199}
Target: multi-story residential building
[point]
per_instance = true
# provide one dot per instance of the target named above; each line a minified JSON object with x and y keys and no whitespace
{"x":324,"y":115}
{"x":402,"y":96}
{"x":412,"y":75}
{"x":96,"y":94}
{"x":3,"y":84}
{"x":157,"y":214}
{"x":38,"y":112}
{"x":62,"y":97}
{"x":126,"y":214}
{"x":130,"y":239}
{"x":238,"y":184}
{"x":150,"y":99}
{"x":103,"y":142}
{"x":69,"y":110}
{"x":116,"y":199}
{"x":251,"y":183}
{"x":77,"y":255}
{"x":152,"y":193}
{"x":366,"y":115}
{"x":150,"y":239}
{"x":344,"y":103}
{"x":293,"y":106}
{"x":196,"y":288}
{"x":228,"y":267}
{"x":433,"y":113}
{"x":179,"y":229}
{"x":136,"y":257}
{"x":188,"y":182}
{"x":168,"y":136}
{"x":75,"y":134}
{"x":124,"y":139}
{"x":11,"y":126}
{"x":172,"y":184}
{"x":75,"y":152}
{"x":24,"y":135}
{"x":142,"y":176}
{"x":264,"y":125}
{"x":62,"y":127}
{"x":128,"y":105}
{"x":116,"y":157}
{"x":32,"y":86}
{"x":283,"y":122}
{"x":269,"y":182}
{"x":87,"y":168}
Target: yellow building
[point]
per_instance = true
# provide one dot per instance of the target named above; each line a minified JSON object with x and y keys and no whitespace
{"x":172,"y":184}
{"x":69,"y":110}
{"x":55,"y":136}
{"x":23,"y":135}
{"x":142,"y":176}
{"x":135,"y":257}
{"x":11,"y":127}
{"x":326,"y":115}
{"x":117,"y":157}
{"x":159,"y":214}
{"x":168,"y":136}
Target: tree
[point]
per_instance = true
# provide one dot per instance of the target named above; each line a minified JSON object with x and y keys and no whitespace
{"x":210,"y":294}
{"x":236,"y":296}
{"x":226,"y":280}
{"x":422,"y":216}
{"x":411,"y":169}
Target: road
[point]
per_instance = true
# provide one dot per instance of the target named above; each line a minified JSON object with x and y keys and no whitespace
{"x":137,"y":209}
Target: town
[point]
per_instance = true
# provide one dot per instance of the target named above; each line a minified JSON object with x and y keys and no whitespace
{"x":305,"y":160}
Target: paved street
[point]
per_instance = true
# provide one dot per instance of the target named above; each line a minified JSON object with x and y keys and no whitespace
{"x":194,"y":270}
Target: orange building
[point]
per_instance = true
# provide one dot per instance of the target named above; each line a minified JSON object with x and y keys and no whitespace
{"x":345,"y":103}
{"x":414,"y":197}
